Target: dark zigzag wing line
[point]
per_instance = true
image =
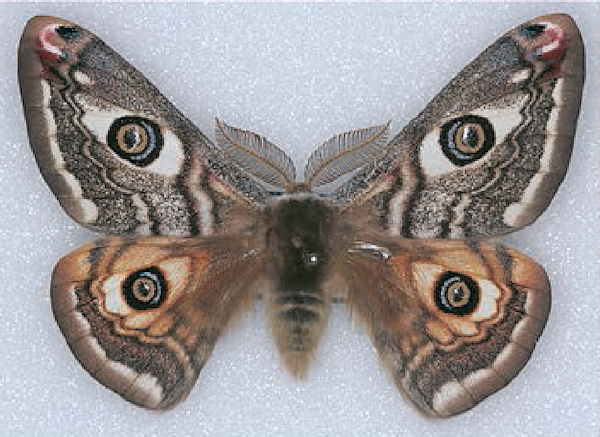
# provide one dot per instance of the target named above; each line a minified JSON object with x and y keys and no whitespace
{"x":527,"y":90}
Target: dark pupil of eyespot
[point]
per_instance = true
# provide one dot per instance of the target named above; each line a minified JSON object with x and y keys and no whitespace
{"x":470,"y":137}
{"x":131,"y":138}
{"x":145,"y":289}
{"x":135,"y":139}
{"x":532,"y":31}
{"x":466,"y":139}
{"x":68,"y":33}
{"x":456,"y":294}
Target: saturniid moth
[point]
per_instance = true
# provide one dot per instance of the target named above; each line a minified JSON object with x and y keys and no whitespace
{"x":400,"y":231}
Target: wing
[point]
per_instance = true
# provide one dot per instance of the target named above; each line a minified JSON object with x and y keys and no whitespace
{"x":117,"y":155}
{"x":453,"y":321}
{"x":142,"y":314}
{"x":486,"y":156}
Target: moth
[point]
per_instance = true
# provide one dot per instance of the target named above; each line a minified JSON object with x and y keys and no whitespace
{"x":400,"y":230}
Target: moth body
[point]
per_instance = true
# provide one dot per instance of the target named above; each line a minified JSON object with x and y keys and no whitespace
{"x":298,"y":238}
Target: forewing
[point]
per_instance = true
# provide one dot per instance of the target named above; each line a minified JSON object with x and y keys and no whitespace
{"x":118,"y":156}
{"x":488,"y":153}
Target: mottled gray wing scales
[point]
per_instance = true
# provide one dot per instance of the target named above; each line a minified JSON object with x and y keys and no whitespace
{"x":118,"y":156}
{"x":487,"y":154}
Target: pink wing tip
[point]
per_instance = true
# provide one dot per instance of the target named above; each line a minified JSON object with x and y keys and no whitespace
{"x":552,"y":43}
{"x":54,"y":42}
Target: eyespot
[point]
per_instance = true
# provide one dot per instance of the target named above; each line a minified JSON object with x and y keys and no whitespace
{"x":466,"y":139}
{"x":135,"y":139}
{"x":532,"y":31}
{"x":68,"y":33}
{"x":145,"y":289}
{"x":456,"y":294}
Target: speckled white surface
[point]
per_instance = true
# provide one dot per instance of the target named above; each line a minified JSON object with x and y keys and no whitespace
{"x":298,"y":74}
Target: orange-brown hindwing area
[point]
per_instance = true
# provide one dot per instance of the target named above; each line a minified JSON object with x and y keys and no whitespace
{"x":453,"y":321}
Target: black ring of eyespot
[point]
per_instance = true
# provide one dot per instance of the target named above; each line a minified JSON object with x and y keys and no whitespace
{"x":145,"y":289}
{"x":456,"y":294}
{"x":476,"y":130}
{"x":135,"y":139}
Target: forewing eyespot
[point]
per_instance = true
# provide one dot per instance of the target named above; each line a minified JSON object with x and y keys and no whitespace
{"x":135,"y":139}
{"x":466,"y":139}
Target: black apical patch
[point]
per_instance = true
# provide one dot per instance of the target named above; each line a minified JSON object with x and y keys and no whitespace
{"x":69,"y":33}
{"x":532,"y":31}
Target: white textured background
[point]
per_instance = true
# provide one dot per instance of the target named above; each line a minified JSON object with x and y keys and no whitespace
{"x":298,"y":74}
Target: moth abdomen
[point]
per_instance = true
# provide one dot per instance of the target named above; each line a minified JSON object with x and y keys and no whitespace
{"x":297,"y":321}
{"x":297,"y":308}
